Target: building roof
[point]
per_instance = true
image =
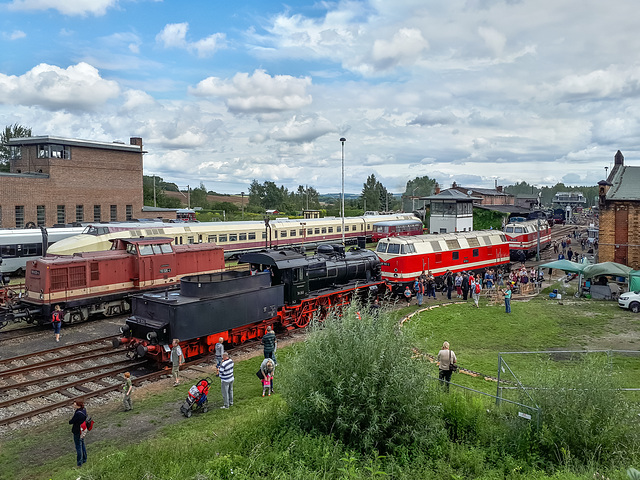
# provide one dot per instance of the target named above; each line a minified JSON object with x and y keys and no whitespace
{"x":451,"y":194}
{"x":510,"y":209}
{"x":625,"y":184}
{"x":73,"y":142}
{"x":487,"y":191}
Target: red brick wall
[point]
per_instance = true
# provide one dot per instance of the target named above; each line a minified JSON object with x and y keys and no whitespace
{"x":92,"y":176}
{"x":607,"y":240}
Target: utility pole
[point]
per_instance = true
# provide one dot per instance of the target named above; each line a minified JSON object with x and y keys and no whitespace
{"x":154,"y":189}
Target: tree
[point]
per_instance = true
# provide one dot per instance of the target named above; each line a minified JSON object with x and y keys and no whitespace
{"x":419,"y":186}
{"x":371,"y":193}
{"x":11,"y":131}
{"x":199,"y":197}
{"x":161,"y":199}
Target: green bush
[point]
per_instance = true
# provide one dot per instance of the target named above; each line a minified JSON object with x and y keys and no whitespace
{"x":355,"y":378}
{"x":586,"y":418}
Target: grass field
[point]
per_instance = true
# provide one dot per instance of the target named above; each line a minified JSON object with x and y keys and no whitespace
{"x":257,"y":438}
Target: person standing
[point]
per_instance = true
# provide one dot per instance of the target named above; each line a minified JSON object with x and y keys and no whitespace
{"x":177,"y":359}
{"x":407,"y":295}
{"x":79,"y":416}
{"x":465,"y":286}
{"x":127,"y":388}
{"x":56,"y":321}
{"x":507,"y":299}
{"x":448,"y":278}
{"x":446,"y":359}
{"x":270,"y":343}
{"x":418,"y":286}
{"x":458,"y":283}
{"x":225,"y":372}
{"x":476,"y":289}
{"x":219,"y":350}
{"x":431,"y":285}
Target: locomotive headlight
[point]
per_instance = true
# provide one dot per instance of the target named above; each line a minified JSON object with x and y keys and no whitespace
{"x":152,"y":336}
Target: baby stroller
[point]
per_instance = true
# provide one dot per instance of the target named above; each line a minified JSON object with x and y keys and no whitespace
{"x":197,"y":398}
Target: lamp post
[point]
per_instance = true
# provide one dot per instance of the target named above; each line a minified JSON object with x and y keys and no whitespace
{"x":342,"y":140}
{"x":413,"y":199}
{"x":242,"y":200}
{"x":154,"y":189}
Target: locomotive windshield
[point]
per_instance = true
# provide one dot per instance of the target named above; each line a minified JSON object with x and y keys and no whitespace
{"x":382,"y":247}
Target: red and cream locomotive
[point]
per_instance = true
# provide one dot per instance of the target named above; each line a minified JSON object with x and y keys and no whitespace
{"x":523,"y":236}
{"x":91,"y":283}
{"x":405,"y":258}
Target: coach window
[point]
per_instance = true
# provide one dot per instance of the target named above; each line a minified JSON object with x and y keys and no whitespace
{"x":31,"y":249}
{"x":324,"y":229}
{"x":166,"y":248}
{"x":252,"y":235}
{"x":233,"y":237}
{"x":292,"y":233}
{"x":19,"y":216}
{"x":317,"y":231}
{"x":41,"y":217}
{"x":8,"y":250}
{"x":338,"y":229}
{"x":476,"y":252}
{"x":222,"y":238}
{"x":393,"y":248}
{"x":62,"y":218}
{"x":190,"y":240}
{"x":382,"y":247}
{"x":242,"y":237}
{"x":330,"y":229}
{"x":301,"y":232}
{"x":455,"y":255}
{"x":283,"y":234}
{"x":310,"y":231}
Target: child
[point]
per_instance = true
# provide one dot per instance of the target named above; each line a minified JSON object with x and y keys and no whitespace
{"x":266,"y":384}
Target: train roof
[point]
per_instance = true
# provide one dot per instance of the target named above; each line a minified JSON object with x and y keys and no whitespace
{"x":393,"y":223}
{"x":275,"y":258}
{"x":144,"y":241}
{"x":442,"y":236}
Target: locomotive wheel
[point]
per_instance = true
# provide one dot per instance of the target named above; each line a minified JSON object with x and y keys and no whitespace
{"x":302,"y":320}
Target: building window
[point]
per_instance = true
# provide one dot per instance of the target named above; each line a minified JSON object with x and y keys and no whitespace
{"x":62,"y":217}
{"x":79,"y":213}
{"x":19,"y":216}
{"x":129,"y":212}
{"x":114,"y":213}
{"x":97,"y":215}
{"x":41,"y":216}
{"x":54,"y":151}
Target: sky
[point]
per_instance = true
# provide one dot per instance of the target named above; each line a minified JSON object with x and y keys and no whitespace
{"x":478,"y":92}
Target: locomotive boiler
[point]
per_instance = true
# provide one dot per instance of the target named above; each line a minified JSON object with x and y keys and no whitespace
{"x":283,"y":288}
{"x":92,"y":283}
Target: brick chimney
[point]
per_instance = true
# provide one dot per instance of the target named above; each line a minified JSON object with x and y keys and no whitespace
{"x":437,"y":189}
{"x":499,"y":188}
{"x":136,"y":141}
{"x":454,"y":185}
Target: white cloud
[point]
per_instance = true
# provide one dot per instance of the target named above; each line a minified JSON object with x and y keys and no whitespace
{"x":65,"y":7}
{"x":258,"y":93}
{"x":15,"y":35}
{"x":494,"y":40}
{"x":78,"y":87}
{"x":404,"y":48}
{"x":174,"y":35}
{"x":300,"y":129}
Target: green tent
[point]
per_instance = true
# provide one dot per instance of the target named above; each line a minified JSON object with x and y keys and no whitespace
{"x":565,"y":265}
{"x":634,"y":281}
{"x":606,"y":268}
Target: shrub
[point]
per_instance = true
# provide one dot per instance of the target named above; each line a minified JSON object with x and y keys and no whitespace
{"x":355,"y":378}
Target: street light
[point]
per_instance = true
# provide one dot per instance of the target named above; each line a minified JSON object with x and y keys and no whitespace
{"x":242,"y":193}
{"x":342,"y":140}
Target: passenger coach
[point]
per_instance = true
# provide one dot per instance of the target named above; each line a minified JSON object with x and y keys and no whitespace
{"x":405,"y":258}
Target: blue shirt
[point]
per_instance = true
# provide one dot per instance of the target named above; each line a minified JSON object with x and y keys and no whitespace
{"x":225,"y":372}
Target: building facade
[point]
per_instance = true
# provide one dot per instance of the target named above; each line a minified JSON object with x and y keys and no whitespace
{"x":55,"y":180}
{"x":451,"y":211}
{"x":487,"y":196}
{"x":619,"y":204}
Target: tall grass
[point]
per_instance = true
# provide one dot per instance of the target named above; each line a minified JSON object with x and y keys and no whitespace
{"x":354,"y":378}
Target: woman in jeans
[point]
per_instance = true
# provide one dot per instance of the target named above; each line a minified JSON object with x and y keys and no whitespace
{"x":446,"y":358}
{"x":79,"y":416}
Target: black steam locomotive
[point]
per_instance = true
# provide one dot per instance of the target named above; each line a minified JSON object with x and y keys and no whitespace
{"x":284,"y":289}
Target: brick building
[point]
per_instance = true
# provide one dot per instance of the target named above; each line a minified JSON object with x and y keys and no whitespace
{"x":56,"y":180}
{"x":487,"y":196}
{"x":619,"y":203}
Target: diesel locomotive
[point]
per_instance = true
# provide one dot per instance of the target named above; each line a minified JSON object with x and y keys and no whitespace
{"x":92,"y":283}
{"x":283,"y":288}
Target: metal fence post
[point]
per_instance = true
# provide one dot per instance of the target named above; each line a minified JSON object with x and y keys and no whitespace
{"x":498,"y":393}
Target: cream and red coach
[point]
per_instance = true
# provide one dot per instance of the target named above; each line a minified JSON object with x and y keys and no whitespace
{"x":405,"y":258}
{"x":91,"y":283}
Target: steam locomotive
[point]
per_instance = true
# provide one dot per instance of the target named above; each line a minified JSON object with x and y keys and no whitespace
{"x":283,"y":288}
{"x":91,"y":283}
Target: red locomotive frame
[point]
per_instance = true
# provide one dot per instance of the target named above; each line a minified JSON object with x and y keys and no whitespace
{"x":100,"y":282}
{"x":523,"y":236}
{"x":405,"y":258}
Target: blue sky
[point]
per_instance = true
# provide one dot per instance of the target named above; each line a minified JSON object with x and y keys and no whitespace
{"x":473,"y":91}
